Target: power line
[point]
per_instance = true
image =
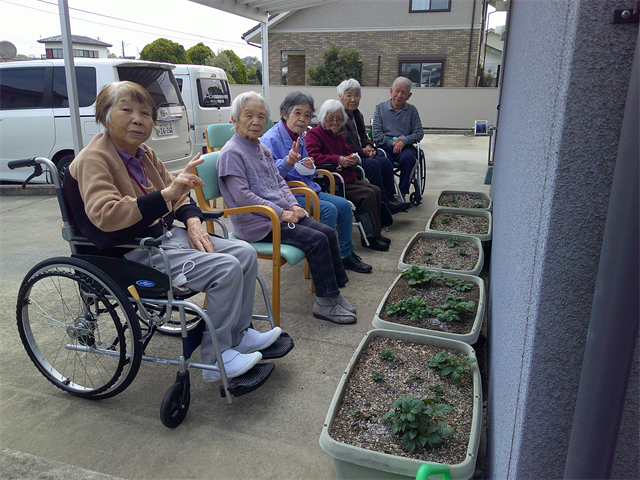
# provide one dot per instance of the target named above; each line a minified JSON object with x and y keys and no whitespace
{"x":229,"y":42}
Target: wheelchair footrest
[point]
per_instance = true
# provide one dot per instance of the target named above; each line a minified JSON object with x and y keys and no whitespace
{"x":279,"y":348}
{"x":250,"y":381}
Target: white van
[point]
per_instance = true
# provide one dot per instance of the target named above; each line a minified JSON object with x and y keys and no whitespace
{"x":206,"y":94}
{"x":35,"y":119}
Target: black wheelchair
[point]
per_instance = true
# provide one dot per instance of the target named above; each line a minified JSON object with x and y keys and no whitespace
{"x":418,"y":175}
{"x":86,"y":320}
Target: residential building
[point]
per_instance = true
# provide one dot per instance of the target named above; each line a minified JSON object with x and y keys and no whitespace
{"x":433,"y":42}
{"x":82,"y":47}
{"x":492,"y":59}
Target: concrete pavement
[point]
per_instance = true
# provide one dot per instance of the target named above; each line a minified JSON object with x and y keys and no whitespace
{"x":270,"y":433}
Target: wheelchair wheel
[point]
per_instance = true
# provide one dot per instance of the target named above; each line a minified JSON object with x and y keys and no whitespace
{"x":78,"y":328}
{"x":173,"y":410}
{"x":172,"y":327}
{"x":422,"y":162}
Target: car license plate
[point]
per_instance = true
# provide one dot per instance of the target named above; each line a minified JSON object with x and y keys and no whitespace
{"x":164,"y":128}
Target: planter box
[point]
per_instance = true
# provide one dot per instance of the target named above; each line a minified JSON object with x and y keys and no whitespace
{"x":403,"y":265}
{"x":469,"y":338}
{"x":358,"y":463}
{"x":486,"y":197}
{"x":484,"y":237}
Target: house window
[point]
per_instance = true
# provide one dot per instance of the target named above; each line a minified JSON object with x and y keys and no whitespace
{"x":85,"y":53}
{"x":54,"y":52}
{"x":423,"y":71}
{"x":429,"y":6}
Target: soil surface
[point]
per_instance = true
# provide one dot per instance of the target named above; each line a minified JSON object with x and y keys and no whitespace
{"x":463,"y":200}
{"x":460,"y":223}
{"x":434,"y":253}
{"x":358,"y":421}
{"x":436,"y":292}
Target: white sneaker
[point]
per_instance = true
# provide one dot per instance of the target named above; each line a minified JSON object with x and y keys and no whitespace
{"x":254,"y":341}
{"x":235,"y":364}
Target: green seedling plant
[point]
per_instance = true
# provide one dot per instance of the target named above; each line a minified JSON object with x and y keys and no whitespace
{"x":429,"y":261}
{"x":462,"y":252}
{"x":417,"y":422}
{"x":416,"y":377}
{"x":420,"y":276}
{"x":447,"y":219}
{"x":428,"y":253}
{"x":388,"y":356}
{"x":453,"y":308}
{"x":356,"y":413}
{"x":415,"y":308}
{"x":458,"y":285}
{"x":449,"y":365}
{"x":377,"y":377}
{"x":452,"y":242}
{"x":446,"y":265}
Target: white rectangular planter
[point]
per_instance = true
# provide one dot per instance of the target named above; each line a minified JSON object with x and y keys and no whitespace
{"x":484,"y":237}
{"x":461,"y":192}
{"x":439,"y":235}
{"x":356,"y":463}
{"x":470,"y":338}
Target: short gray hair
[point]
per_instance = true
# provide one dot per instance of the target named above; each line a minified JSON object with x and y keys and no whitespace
{"x":240,"y":100}
{"x":296,"y":98}
{"x":329,"y":106}
{"x":404,"y":80}
{"x":351,"y":84}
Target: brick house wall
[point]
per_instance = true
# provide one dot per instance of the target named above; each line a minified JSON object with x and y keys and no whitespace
{"x":454,"y":44}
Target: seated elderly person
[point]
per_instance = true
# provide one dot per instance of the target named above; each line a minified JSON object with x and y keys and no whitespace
{"x":118,"y":189}
{"x":287,"y":145}
{"x":248,"y":176}
{"x":327,"y":145}
{"x":396,"y":127}
{"x":377,"y":166}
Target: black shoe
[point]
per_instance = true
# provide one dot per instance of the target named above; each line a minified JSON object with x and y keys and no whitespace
{"x":385,"y":240}
{"x":397,"y":207}
{"x":376,"y":244}
{"x":355,"y":263}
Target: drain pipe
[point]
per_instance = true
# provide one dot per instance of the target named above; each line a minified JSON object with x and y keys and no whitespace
{"x":473,"y":17}
{"x":378,"y":79}
{"x":613,"y":327}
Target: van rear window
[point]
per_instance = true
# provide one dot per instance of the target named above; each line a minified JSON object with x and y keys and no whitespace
{"x":213,"y":92}
{"x":160,"y":83}
{"x":22,"y":88}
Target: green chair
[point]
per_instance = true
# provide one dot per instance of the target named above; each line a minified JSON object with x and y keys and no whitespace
{"x":278,"y":253}
{"x":217,"y":134}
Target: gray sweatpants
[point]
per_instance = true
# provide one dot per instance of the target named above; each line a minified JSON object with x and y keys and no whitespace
{"x":228,"y":276}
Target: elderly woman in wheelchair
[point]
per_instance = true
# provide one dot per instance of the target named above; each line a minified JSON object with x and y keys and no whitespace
{"x":118,"y":189}
{"x":327,"y":145}
{"x":248,"y":176}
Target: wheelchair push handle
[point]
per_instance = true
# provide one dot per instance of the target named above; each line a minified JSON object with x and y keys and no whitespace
{"x":36,"y":163}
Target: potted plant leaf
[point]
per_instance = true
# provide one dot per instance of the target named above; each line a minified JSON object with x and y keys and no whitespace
{"x":469,"y":222}
{"x":424,"y":301}
{"x":464,"y":200}
{"x":448,"y":252}
{"x":405,"y":400}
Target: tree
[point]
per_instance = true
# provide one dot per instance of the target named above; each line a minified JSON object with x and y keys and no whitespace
{"x":199,"y":53}
{"x":221,"y":60}
{"x":238,"y":70}
{"x":336,"y":65}
{"x":249,"y":62}
{"x":164,"y":50}
{"x":110,"y":54}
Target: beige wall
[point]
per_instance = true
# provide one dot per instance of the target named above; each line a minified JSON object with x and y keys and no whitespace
{"x":438,"y":107}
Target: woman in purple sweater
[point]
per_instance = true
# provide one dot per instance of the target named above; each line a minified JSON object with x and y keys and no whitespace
{"x":248,"y":176}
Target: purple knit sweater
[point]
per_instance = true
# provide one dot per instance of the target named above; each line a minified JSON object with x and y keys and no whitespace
{"x":248,"y":176}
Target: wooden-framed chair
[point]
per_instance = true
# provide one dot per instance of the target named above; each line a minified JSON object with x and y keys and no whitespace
{"x":217,"y":134}
{"x":275,"y":251}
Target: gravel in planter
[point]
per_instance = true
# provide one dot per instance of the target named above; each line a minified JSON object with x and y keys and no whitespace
{"x":460,"y":223}
{"x":365,"y":401}
{"x":436,"y":292}
{"x":463,"y":200}
{"x":442,"y":256}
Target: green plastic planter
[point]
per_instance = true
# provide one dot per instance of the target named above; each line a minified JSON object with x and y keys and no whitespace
{"x":461,"y":192}
{"x":469,"y":338}
{"x":484,"y":237}
{"x":433,"y":234}
{"x":356,"y":463}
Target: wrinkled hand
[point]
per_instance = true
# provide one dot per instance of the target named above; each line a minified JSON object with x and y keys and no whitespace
{"x":199,"y":238}
{"x":349,"y":161}
{"x":308,"y":162}
{"x":299,"y":211}
{"x":289,"y":216}
{"x":294,"y":156}
{"x":369,"y":151}
{"x":398,"y":145}
{"x":185,"y":181}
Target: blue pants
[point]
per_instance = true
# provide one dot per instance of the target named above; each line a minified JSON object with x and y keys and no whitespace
{"x":335,"y":212}
{"x":407,"y":161}
{"x":379,"y":171}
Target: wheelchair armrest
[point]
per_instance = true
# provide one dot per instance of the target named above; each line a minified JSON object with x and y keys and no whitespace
{"x":212,"y":214}
{"x":329,"y":175}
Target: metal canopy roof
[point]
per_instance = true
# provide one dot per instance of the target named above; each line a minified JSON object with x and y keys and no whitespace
{"x":259,"y":10}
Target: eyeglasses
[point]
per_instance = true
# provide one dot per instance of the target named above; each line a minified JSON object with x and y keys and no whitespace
{"x":331,"y":118}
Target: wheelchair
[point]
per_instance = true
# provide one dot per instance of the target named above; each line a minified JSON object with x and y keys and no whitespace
{"x":86,"y":320}
{"x":418,"y":175}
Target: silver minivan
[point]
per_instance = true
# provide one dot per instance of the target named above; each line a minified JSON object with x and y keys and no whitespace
{"x":34,"y":110}
{"x":206,"y":94}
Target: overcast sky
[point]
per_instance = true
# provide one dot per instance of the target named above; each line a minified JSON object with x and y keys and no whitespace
{"x":24,"y":22}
